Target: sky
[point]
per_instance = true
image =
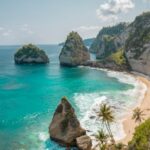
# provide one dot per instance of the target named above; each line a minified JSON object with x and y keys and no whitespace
{"x":50,"y":21}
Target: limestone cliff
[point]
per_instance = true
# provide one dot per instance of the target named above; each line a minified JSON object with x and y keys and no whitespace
{"x":108,"y":41}
{"x":137,"y":47}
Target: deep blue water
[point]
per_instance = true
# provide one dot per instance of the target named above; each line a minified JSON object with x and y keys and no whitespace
{"x":29,"y":95}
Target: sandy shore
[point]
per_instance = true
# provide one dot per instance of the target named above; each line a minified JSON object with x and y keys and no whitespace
{"x":129,"y":124}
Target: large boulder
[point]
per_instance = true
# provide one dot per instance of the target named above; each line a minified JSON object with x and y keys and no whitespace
{"x":74,"y":52}
{"x":30,"y":54}
{"x":137,"y":47}
{"x":65,"y":127}
{"x":84,"y":142}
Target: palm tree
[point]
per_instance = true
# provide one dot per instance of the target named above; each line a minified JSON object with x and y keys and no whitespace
{"x":107,"y":117}
{"x":138,"y":115}
{"x":102,"y":138}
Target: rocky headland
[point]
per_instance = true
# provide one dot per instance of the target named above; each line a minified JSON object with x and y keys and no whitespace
{"x":29,"y":54}
{"x":124,"y":47}
{"x":137,"y":46}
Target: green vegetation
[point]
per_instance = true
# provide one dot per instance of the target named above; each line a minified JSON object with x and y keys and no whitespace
{"x":141,"y":138}
{"x":74,"y":42}
{"x":110,"y":46}
{"x":107,"y":117}
{"x":119,"y":57}
{"x":138,"y":115}
{"x":102,"y":138}
{"x":139,"y":36}
{"x":114,"y":30}
{"x":68,"y":115}
{"x":109,"y":34}
{"x":30,"y":50}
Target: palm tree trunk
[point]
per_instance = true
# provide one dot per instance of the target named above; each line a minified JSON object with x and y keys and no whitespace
{"x":111,"y":135}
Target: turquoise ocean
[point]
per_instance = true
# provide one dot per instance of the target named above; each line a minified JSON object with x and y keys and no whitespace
{"x":29,"y":95}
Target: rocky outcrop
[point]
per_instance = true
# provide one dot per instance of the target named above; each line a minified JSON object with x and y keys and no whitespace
{"x":65,"y":127}
{"x":84,"y":142}
{"x":107,"y":64}
{"x":125,"y":46}
{"x":74,"y":52}
{"x":30,"y":54}
{"x":109,"y":40}
{"x":137,"y":47}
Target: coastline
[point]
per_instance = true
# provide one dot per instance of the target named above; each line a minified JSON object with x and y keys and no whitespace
{"x":129,"y":125}
{"x":142,"y":99}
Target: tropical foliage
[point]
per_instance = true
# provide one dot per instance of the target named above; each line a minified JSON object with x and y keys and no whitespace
{"x":141,"y":138}
{"x":107,"y":117}
{"x":30,"y":50}
{"x":119,"y":57}
{"x":138,"y":115}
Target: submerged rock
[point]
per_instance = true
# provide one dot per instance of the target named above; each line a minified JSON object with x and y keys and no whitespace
{"x":74,"y":52}
{"x":84,"y":142}
{"x":65,"y":127}
{"x":30,"y":54}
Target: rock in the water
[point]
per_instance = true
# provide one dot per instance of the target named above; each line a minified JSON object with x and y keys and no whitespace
{"x":84,"y":142}
{"x":74,"y":52}
{"x":30,"y":54}
{"x":65,"y":127}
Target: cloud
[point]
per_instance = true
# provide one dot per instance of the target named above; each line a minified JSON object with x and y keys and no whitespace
{"x":111,"y":9}
{"x":1,"y":28}
{"x":146,"y":0}
{"x":87,"y":31}
{"x":7,"y":33}
{"x":87,"y":28}
{"x":26,"y":28}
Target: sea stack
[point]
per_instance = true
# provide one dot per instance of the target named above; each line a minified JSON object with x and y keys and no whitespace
{"x":65,"y":127}
{"x":74,"y":52}
{"x":29,"y":54}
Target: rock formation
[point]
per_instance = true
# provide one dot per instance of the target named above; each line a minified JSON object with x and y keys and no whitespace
{"x":124,"y":47}
{"x":84,"y":142}
{"x":108,"y":41}
{"x":65,"y":127}
{"x":30,"y":54}
{"x":137,"y":47}
{"x":74,"y":52}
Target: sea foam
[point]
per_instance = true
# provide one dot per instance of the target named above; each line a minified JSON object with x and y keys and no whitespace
{"x":122,"y":103}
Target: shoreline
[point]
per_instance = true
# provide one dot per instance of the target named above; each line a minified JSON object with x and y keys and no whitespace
{"x":129,"y":124}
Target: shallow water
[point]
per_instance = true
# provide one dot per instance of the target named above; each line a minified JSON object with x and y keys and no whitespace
{"x":29,"y":95}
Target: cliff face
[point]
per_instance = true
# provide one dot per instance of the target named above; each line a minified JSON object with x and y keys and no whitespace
{"x":74,"y":52}
{"x":137,"y":47}
{"x":127,"y":46}
{"x":108,"y":41}
{"x":30,"y":54}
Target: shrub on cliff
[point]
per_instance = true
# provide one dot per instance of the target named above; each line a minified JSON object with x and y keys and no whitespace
{"x":74,"y":52}
{"x":119,"y":57}
{"x":30,"y":54}
{"x":141,"y":138}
